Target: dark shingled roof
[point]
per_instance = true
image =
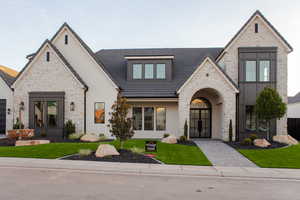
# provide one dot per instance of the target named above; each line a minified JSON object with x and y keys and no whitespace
{"x":185,"y":62}
{"x":294,"y":99}
{"x":7,"y":78}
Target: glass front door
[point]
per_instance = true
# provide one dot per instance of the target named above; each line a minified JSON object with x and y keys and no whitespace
{"x":200,"y":123}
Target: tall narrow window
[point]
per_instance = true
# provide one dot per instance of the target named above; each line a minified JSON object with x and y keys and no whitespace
{"x":38,"y":114}
{"x":264,"y":70}
{"x":250,"y":70}
{"x":52,"y":113}
{"x":149,"y":71}
{"x":137,"y":71}
{"x":99,"y":113}
{"x":160,"y":119}
{"x":250,"y":118}
{"x":161,"y":71}
{"x":48,"y":56}
{"x":256,"y":28}
{"x":66,"y":39}
{"x":148,"y":118}
{"x":137,"y":118}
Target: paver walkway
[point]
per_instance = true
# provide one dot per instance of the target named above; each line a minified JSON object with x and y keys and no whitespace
{"x":221,"y":154}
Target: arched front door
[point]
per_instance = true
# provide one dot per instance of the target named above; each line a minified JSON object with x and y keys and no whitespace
{"x":200,"y":118}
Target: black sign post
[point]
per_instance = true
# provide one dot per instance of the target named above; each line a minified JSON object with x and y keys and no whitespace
{"x":151,"y":146}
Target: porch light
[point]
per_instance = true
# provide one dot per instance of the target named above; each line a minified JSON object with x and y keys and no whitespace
{"x":72,"y":106}
{"x":22,"y":105}
{"x":8,"y":111}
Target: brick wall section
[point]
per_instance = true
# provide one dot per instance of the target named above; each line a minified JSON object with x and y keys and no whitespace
{"x":264,"y":38}
{"x":214,"y":82}
{"x":50,"y":77}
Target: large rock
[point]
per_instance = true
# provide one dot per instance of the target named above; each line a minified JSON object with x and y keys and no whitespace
{"x":89,"y":138}
{"x":31,"y":142}
{"x":170,"y":139}
{"x":106,"y":150}
{"x":286,"y":139}
{"x":261,"y":143}
{"x":20,"y":133}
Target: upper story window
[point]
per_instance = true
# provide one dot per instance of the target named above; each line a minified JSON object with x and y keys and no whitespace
{"x":137,"y":71}
{"x":161,"y":71}
{"x":264,"y":70}
{"x":250,"y":70}
{"x":66,"y":39}
{"x":48,"y":56}
{"x":257,"y":70}
{"x":149,"y":73}
{"x":256,"y":28}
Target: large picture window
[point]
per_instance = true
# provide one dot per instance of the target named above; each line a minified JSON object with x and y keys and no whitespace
{"x":148,"y":118}
{"x":149,"y":71}
{"x":264,"y":70}
{"x":250,"y":118}
{"x":160,"y":119}
{"x":99,"y":113}
{"x":250,"y":70}
{"x":137,"y":116}
{"x":137,"y":71}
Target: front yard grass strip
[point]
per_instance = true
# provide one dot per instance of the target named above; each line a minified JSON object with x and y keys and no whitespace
{"x":287,"y":157}
{"x":167,"y":153}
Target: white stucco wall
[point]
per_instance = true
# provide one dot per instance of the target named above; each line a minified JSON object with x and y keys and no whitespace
{"x":101,"y":89}
{"x":171,"y":120}
{"x":53,"y":76}
{"x":264,"y":38}
{"x":293,"y":110}
{"x":216,"y":82}
{"x":6,"y":93}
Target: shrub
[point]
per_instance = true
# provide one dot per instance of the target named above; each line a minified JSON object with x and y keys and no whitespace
{"x":166,"y":135}
{"x":85,"y":152}
{"x":75,"y":136}
{"x":183,"y":138}
{"x":69,"y":128}
{"x":247,"y":142}
{"x":185,"y":129}
{"x":137,"y":150}
{"x":102,"y":137}
{"x":18,"y":124}
{"x":253,"y":137}
{"x":230,"y":131}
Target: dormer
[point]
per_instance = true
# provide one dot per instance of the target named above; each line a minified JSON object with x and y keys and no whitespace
{"x":149,"y":68}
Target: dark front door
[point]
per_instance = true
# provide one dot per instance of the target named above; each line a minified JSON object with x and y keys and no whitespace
{"x":2,"y":116}
{"x":200,"y":123}
{"x":46,"y":114}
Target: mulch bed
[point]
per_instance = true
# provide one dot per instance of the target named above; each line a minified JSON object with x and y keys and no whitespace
{"x":188,"y":143}
{"x":125,"y":156}
{"x":238,"y":145}
{"x":7,"y":142}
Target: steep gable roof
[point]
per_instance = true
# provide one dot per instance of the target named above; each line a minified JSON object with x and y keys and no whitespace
{"x":257,"y":13}
{"x":87,"y":48}
{"x":66,"y":63}
{"x":7,"y":78}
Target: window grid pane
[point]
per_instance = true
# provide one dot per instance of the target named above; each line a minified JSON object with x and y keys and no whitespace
{"x":250,"y":70}
{"x":137,"y":118}
{"x":149,"y":71}
{"x":160,"y":119}
{"x":148,"y":118}
{"x":137,"y":71}
{"x":161,"y":71}
{"x":264,"y":70}
{"x":99,"y":114}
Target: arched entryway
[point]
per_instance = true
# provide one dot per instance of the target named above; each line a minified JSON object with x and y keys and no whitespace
{"x":200,"y":118}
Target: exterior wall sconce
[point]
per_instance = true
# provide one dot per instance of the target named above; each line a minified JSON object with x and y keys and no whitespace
{"x":8,"y":111}
{"x":72,"y":106}
{"x":22,"y":106}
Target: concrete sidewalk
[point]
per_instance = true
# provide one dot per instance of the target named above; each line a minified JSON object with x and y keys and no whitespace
{"x":149,"y":169}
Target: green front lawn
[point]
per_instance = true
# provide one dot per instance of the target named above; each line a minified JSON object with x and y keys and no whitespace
{"x":288,"y":157}
{"x":167,"y":153}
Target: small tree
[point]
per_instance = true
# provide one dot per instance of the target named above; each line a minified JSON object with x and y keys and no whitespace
{"x":269,"y":105}
{"x":120,"y":124}
{"x":185,"y":129}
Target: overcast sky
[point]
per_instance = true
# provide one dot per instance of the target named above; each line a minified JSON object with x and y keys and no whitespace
{"x":24,"y":25}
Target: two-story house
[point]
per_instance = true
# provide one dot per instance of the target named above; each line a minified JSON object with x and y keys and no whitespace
{"x":204,"y":87}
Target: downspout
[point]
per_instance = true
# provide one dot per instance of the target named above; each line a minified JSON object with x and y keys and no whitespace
{"x":84,"y":110}
{"x":237,"y":127}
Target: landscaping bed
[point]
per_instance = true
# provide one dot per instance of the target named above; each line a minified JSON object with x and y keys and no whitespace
{"x":125,"y":156}
{"x":240,"y":145}
{"x":188,"y":143}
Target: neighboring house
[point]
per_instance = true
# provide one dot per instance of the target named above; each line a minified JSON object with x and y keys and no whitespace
{"x":293,"y":114}
{"x":6,"y":99}
{"x":207,"y":87}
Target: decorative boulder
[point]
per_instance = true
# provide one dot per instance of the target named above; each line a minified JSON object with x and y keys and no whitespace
{"x":31,"y":142}
{"x":106,"y":150}
{"x":170,"y":139}
{"x":261,"y":143}
{"x":286,"y":139}
{"x":90,"y":138}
